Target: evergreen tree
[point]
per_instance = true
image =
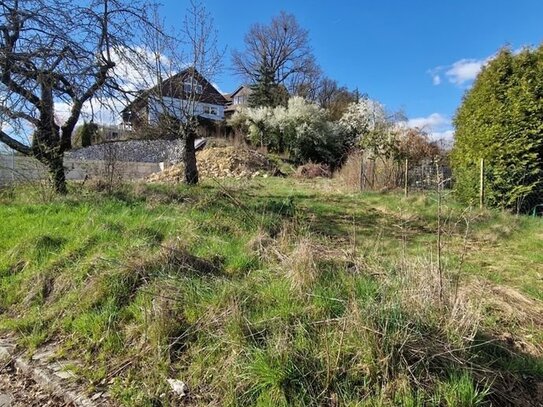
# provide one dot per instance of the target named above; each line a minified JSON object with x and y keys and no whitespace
{"x":88,"y":132}
{"x":266,"y":92}
{"x":501,"y":120}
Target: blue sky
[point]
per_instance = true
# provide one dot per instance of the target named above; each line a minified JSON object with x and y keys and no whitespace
{"x":418,"y":56}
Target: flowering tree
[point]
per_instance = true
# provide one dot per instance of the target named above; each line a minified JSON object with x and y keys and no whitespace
{"x":302,"y":128}
{"x":367,"y":121}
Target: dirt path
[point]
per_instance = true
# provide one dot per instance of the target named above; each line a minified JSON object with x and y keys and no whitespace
{"x":20,"y":391}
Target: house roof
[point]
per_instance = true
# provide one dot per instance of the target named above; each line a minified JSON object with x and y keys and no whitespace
{"x":242,"y":90}
{"x":173,"y":87}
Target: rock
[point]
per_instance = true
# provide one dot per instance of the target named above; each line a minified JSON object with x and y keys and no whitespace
{"x":96,"y":396}
{"x":178,"y":387}
{"x":64,"y":375}
{"x":6,"y":400}
{"x":43,"y":356}
{"x":132,"y":150}
{"x":5,"y":356}
{"x":222,"y":162}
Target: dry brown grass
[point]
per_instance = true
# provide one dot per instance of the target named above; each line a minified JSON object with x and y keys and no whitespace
{"x":419,"y":288}
{"x":313,"y":170}
{"x":349,"y":173}
{"x":300,"y":266}
{"x":379,"y":174}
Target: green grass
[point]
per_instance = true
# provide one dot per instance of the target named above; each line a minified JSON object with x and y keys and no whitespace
{"x":272,"y":292}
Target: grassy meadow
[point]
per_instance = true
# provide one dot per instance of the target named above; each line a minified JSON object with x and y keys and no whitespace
{"x":276,"y":292}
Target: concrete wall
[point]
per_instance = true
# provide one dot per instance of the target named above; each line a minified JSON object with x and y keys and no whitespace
{"x":21,"y":169}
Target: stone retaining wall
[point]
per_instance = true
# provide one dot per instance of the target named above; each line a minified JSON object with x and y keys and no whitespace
{"x":14,"y":169}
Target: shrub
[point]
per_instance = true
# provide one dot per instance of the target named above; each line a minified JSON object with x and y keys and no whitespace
{"x":500,"y":121}
{"x":86,"y":135}
{"x":301,"y":128}
{"x":312,"y":170}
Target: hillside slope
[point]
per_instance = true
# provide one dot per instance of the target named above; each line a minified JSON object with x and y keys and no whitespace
{"x":275,"y":292}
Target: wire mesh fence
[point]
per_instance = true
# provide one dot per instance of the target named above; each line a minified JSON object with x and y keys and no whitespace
{"x":378,"y":174}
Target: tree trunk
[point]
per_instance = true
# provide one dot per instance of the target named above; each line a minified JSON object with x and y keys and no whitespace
{"x":56,"y":169}
{"x":189,"y":158}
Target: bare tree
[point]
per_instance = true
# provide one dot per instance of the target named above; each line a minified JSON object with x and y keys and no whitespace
{"x":334,"y":98}
{"x":174,"y":106}
{"x":203,"y":54}
{"x":281,"y":50}
{"x":60,"y":52}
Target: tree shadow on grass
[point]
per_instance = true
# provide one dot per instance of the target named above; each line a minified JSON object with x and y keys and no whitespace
{"x":515,"y":376}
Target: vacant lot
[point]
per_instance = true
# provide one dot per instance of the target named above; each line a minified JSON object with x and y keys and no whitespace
{"x":276,"y":292}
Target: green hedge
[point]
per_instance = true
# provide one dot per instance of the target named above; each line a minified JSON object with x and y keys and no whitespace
{"x":501,"y":120}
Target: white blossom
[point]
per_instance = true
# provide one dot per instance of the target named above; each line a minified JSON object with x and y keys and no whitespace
{"x":363,"y":116}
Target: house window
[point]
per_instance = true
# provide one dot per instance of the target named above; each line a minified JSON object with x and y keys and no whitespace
{"x":210,"y":110}
{"x":192,"y":86}
{"x":240,"y":100}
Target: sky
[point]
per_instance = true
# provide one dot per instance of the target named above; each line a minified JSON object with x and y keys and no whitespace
{"x":416,"y":56}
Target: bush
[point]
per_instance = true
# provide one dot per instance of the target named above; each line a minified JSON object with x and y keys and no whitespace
{"x":312,"y":170}
{"x":86,"y":135}
{"x":500,"y":121}
{"x":302,"y":129}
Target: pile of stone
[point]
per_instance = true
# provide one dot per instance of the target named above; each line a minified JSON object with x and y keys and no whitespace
{"x":223,"y":162}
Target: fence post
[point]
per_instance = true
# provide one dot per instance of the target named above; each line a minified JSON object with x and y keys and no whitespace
{"x":482,"y":185}
{"x":406,"y":175}
{"x":372,"y":173}
{"x":362,"y":173}
{"x":13,"y":166}
{"x":439,"y":185}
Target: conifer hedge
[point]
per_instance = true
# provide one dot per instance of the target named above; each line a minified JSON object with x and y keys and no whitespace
{"x":501,"y":121}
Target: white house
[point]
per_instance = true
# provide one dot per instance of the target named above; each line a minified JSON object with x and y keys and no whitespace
{"x":185,"y":94}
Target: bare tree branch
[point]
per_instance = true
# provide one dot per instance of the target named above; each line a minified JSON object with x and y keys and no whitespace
{"x":14,"y":144}
{"x":55,"y":51}
{"x":281,"y":48}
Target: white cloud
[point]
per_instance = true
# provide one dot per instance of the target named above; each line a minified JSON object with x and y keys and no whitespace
{"x":446,"y":136}
{"x":136,"y":69}
{"x":436,"y":125}
{"x":433,"y":121}
{"x":460,"y":72}
{"x":108,"y":112}
{"x":465,"y":70}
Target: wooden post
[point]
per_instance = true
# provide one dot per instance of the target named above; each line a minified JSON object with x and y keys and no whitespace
{"x":482,"y":185}
{"x":406,"y":175}
{"x":439,"y":265}
{"x":362,"y":173}
{"x":372,"y":173}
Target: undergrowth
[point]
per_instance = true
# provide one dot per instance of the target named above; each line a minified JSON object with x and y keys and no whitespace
{"x":284,"y":294}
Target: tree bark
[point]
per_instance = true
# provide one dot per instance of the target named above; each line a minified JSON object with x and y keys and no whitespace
{"x":189,"y":158}
{"x":56,"y":169}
